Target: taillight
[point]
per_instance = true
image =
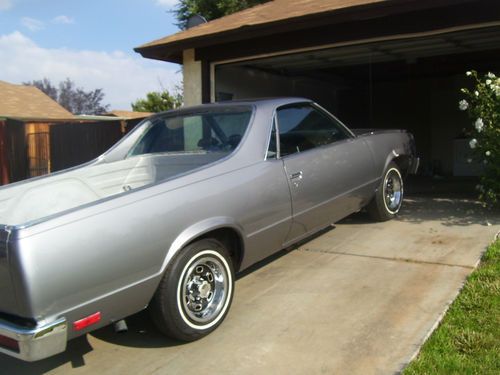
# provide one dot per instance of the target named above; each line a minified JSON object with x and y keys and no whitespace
{"x":87,"y":321}
{"x":8,"y":343}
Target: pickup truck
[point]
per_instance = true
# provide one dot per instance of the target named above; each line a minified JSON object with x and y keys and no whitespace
{"x":165,"y":218}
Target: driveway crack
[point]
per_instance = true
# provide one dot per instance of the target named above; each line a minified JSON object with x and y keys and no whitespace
{"x":403,"y":260}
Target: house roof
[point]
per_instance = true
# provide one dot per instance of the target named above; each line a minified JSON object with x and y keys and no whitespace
{"x":267,"y":14}
{"x":129,"y":115}
{"x":28,"y":102}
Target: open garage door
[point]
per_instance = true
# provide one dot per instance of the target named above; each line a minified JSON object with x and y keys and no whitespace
{"x":411,"y":82}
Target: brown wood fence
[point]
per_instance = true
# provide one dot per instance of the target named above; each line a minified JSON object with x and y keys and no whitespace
{"x":35,"y":149}
{"x":73,"y":144}
{"x":17,"y":160}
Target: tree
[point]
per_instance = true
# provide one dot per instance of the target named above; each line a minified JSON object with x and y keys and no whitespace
{"x":74,"y":99}
{"x":210,"y":9}
{"x":158,"y":101}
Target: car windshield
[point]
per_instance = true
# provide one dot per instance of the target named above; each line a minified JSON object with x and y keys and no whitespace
{"x":218,"y":129}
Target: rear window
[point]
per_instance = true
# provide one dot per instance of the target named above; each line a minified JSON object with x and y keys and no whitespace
{"x":214,"y":130}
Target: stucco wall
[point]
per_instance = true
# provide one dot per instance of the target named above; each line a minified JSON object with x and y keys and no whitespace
{"x":191,"y":78}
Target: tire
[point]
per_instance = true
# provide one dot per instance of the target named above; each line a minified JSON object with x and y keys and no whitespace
{"x":389,"y":196}
{"x":195,"y":294}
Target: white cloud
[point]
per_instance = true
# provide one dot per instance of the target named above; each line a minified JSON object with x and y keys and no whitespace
{"x":5,"y":4}
{"x":32,"y":23}
{"x":122,"y":77}
{"x":62,"y":19}
{"x":166,"y":3}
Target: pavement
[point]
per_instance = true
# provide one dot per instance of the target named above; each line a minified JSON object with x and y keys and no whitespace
{"x":359,"y":298}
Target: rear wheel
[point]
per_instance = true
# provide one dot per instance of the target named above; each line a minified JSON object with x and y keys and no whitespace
{"x":389,"y":196}
{"x":195,"y":294}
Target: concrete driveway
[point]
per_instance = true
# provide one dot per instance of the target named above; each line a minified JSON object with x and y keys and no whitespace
{"x":358,"y":299}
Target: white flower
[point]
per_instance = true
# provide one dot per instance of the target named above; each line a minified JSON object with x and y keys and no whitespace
{"x":488,"y":82}
{"x":479,"y":125}
{"x":476,"y":93}
{"x":491,"y":75}
{"x":468,"y":73}
{"x":473,"y":143}
{"x":463,"y":105}
{"x":487,"y":153}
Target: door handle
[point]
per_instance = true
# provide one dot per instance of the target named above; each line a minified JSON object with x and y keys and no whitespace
{"x":296,"y":175}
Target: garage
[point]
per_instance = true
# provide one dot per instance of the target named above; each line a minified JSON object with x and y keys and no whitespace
{"x":374,"y":64}
{"x":409,"y":83}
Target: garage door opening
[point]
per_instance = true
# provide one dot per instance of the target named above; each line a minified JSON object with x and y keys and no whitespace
{"x":410,"y":83}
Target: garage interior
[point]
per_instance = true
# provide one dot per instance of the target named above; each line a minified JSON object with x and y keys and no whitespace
{"x":411,"y":83}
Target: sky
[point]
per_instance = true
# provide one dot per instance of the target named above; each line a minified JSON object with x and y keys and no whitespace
{"x":89,"y":41}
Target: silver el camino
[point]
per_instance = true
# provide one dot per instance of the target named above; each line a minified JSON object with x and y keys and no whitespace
{"x":166,"y":217}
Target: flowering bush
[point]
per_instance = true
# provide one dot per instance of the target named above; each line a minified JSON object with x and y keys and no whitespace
{"x":483,"y":105}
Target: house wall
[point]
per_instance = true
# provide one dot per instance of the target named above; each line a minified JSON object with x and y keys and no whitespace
{"x":191,"y":78}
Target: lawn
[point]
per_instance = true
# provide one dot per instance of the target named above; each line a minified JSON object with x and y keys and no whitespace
{"x":468,"y":339}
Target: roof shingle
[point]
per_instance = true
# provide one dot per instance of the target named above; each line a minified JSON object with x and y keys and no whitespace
{"x":267,"y":13}
{"x":28,"y":102}
{"x":132,"y":115}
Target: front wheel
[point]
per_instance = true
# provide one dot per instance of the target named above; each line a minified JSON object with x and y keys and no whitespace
{"x":389,"y":195}
{"x":195,"y":294}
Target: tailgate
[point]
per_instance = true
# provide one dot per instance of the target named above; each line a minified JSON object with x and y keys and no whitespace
{"x":7,"y":295}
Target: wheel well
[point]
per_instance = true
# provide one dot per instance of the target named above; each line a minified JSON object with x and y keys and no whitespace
{"x":403,"y":163}
{"x":231,"y":239}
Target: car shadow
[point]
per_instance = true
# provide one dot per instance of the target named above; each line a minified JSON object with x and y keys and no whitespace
{"x":74,"y":354}
{"x":141,"y":334}
{"x":448,"y":211}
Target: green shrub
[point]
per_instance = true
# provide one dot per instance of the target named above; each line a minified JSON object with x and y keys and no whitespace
{"x":483,"y":106}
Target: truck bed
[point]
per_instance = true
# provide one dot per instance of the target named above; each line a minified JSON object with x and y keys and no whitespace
{"x":36,"y":199}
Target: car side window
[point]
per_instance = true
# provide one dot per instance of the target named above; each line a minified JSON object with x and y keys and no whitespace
{"x":303,"y":127}
{"x":272,"y":150}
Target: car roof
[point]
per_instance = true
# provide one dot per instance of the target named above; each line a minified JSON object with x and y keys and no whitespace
{"x":274,"y":102}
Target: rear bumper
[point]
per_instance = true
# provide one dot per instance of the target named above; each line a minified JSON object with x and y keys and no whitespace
{"x":33,"y":344}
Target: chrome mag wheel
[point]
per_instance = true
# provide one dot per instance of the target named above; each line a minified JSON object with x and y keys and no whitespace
{"x":204,"y":289}
{"x":393,"y":190}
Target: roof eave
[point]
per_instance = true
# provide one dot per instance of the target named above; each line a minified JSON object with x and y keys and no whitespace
{"x":172,"y":51}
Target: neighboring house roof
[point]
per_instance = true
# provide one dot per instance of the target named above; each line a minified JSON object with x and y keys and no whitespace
{"x":270,"y":13}
{"x":129,"y":115}
{"x":28,"y":102}
{"x":97,"y":118}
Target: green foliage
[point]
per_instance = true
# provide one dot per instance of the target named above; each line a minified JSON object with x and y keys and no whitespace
{"x":483,"y":106}
{"x":210,"y":9}
{"x":468,"y":339}
{"x":74,"y":99}
{"x":157,"y":101}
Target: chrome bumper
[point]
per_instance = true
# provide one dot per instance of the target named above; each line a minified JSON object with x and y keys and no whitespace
{"x":33,"y":344}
